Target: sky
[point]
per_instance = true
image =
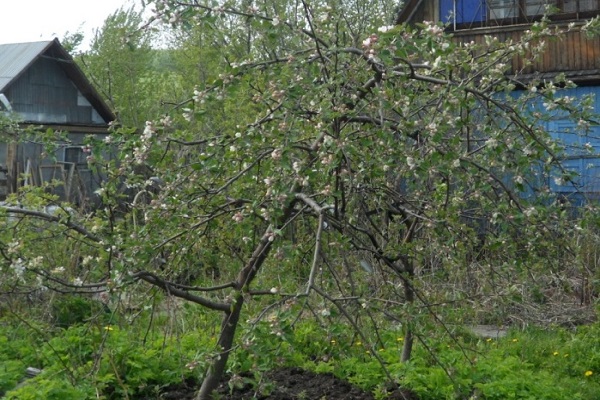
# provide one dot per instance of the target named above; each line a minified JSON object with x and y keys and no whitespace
{"x":37,"y":20}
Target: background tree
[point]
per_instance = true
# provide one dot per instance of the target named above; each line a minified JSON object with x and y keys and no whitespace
{"x":120,"y":63}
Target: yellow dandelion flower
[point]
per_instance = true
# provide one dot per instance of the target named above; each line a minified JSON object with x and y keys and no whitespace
{"x":333,"y":341}
{"x":555,"y":353}
{"x":108,"y":328}
{"x":399,"y":339}
{"x":588,"y":373}
{"x":515,"y":340}
{"x":359,"y":343}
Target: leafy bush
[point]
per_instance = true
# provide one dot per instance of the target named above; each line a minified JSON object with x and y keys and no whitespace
{"x":11,"y":372}
{"x":51,"y":389}
{"x":71,"y":310}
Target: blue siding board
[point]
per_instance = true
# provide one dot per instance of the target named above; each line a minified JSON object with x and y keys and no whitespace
{"x":580,"y":155}
{"x":581,"y":152}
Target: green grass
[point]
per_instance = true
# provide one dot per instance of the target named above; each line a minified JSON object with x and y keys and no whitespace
{"x":122,"y":359}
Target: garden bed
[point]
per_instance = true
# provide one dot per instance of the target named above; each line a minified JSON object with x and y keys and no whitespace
{"x":286,"y":384}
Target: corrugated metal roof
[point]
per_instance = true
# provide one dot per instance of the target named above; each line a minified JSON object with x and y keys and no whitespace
{"x":16,"y":57}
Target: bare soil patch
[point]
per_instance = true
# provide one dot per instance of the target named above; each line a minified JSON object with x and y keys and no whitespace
{"x":287,"y":384}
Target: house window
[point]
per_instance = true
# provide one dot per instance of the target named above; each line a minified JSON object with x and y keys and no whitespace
{"x":470,"y":13}
{"x":574,"y":6}
{"x":526,"y":9}
{"x":502,"y":9}
{"x":537,"y":7}
{"x":75,"y":155}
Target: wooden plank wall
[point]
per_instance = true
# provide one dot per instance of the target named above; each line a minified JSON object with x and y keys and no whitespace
{"x":573,"y":52}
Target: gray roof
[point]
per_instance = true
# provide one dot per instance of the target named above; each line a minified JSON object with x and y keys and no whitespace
{"x":16,"y":57}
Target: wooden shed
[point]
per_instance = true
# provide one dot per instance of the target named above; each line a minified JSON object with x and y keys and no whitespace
{"x":43,"y":87}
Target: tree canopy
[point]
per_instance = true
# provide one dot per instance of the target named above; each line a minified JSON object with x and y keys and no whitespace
{"x":323,"y":159}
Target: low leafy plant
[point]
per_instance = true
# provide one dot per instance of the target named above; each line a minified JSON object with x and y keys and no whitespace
{"x":72,"y":310}
{"x":11,"y":371}
{"x":51,"y":388}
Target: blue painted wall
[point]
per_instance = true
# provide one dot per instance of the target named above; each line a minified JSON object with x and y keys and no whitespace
{"x":467,"y":11}
{"x":581,"y":153}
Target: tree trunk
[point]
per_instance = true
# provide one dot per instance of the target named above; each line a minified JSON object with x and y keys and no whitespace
{"x":408,"y":344}
{"x":231,"y":318}
{"x":215,"y":372}
{"x":409,"y":293}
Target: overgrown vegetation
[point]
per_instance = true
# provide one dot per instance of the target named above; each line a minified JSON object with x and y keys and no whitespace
{"x":139,"y":360}
{"x":334,"y":193}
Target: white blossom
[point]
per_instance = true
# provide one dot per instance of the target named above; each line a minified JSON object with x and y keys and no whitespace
{"x":238,"y":217}
{"x":18,"y":267}
{"x":385,"y":28}
{"x":36,"y":262}
{"x":276,"y":154}
{"x":140,"y":152}
{"x":492,"y":143}
{"x":13,"y":247}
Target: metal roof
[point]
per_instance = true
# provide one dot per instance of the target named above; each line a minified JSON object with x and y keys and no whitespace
{"x":17,"y":57}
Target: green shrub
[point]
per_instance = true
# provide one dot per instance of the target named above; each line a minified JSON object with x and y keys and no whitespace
{"x":50,"y":389}
{"x":72,"y":310}
{"x":10,"y":373}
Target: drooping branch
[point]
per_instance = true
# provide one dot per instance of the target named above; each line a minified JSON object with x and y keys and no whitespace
{"x":62,"y":220}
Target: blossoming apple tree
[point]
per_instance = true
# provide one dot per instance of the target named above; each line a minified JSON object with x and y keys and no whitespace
{"x":332,"y":157}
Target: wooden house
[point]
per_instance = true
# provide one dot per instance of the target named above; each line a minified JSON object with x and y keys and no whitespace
{"x":576,"y":55}
{"x":42,"y":87}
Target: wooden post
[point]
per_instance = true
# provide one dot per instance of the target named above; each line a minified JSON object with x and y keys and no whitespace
{"x":11,"y":166}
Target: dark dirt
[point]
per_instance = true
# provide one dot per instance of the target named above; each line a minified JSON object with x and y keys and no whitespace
{"x":286,"y":384}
